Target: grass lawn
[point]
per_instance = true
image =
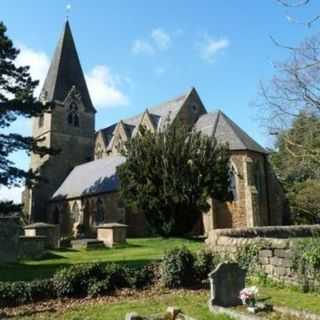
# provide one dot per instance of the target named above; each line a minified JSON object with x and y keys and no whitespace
{"x":138,"y":251}
{"x":192,"y":303}
{"x":292,"y":299}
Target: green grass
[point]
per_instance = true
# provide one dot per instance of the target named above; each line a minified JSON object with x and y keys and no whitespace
{"x":192,"y":303}
{"x":138,"y":251}
{"x":292,"y":299}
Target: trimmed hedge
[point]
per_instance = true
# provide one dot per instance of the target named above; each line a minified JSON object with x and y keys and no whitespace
{"x":179,"y":268}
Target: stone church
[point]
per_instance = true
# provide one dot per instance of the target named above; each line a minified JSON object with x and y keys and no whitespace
{"x":80,"y":183}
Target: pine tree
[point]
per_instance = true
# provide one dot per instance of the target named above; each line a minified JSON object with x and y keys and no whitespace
{"x":16,"y":100}
{"x":170,"y":175}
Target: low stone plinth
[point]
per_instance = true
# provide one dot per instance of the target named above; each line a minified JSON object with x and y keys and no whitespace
{"x":112,"y":234}
{"x":32,"y":247}
{"x":86,"y":244}
{"x":50,"y":231}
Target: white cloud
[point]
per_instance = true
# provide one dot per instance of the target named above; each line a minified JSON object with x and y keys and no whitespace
{"x":103,"y":87}
{"x":11,"y":194}
{"x":210,"y":47}
{"x":161,"y":39}
{"x":102,"y":84}
{"x":142,"y":47}
{"x":37,"y":60}
{"x":158,"y":40}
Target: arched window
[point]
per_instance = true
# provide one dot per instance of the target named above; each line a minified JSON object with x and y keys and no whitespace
{"x":75,"y":212}
{"x":73,"y":116}
{"x":56,"y":216}
{"x":233,"y":182}
{"x":99,"y":212}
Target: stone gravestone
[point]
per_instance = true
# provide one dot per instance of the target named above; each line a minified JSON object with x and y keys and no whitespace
{"x":226,"y":282}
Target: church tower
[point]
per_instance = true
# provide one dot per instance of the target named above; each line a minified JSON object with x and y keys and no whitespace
{"x":67,"y":127}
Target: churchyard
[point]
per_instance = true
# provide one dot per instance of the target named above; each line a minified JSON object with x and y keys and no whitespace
{"x":178,"y":277}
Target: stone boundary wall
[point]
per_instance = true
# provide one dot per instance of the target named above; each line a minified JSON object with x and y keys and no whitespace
{"x":275,"y":243}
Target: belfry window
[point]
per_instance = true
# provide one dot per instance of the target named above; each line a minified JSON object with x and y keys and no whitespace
{"x":73,"y":115}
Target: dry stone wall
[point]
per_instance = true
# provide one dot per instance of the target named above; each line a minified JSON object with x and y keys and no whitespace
{"x":275,"y":246}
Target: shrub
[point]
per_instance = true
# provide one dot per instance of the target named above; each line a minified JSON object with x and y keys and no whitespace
{"x":74,"y":281}
{"x":247,"y":256}
{"x":141,"y":278}
{"x":204,"y":263}
{"x":118,"y":275}
{"x":21,"y":292}
{"x":14,"y":293}
{"x":306,"y":262}
{"x":177,"y":268}
{"x":99,"y":287}
{"x":42,"y":290}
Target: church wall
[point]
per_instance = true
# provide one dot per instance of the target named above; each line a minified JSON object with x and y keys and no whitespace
{"x":250,"y":206}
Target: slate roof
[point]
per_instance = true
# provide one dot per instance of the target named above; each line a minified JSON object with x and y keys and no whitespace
{"x":65,"y":72}
{"x":159,"y":114}
{"x":226,"y":131}
{"x":93,"y":177}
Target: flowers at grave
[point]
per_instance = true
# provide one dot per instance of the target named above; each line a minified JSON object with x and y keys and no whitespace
{"x":248,"y":296}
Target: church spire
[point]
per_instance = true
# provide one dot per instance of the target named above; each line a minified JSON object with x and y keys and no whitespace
{"x":65,"y":72}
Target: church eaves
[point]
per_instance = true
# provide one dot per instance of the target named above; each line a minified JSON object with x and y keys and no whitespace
{"x":65,"y":72}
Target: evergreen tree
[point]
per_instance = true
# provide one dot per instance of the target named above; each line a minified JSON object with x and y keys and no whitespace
{"x":170,"y":175}
{"x":16,"y":99}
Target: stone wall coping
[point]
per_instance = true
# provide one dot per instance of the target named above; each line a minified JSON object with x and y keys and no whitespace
{"x":32,"y":238}
{"x":39,"y":225}
{"x":269,"y":232}
{"x":112,"y":225}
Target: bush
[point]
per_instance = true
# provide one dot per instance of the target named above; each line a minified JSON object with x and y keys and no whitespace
{"x":306,"y":262}
{"x":14,"y":293}
{"x":42,"y":290}
{"x":118,"y":275}
{"x":21,"y":292}
{"x":177,"y":268}
{"x":99,"y":287}
{"x":74,"y":281}
{"x":204,"y":263}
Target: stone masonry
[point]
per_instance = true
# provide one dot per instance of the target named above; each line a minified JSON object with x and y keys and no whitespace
{"x":275,"y":243}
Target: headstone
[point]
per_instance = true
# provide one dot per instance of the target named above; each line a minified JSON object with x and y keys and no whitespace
{"x":226,"y":282}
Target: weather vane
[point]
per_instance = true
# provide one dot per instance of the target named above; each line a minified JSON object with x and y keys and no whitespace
{"x":68,"y":8}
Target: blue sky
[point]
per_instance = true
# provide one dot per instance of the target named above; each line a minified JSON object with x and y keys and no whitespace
{"x":139,"y":53}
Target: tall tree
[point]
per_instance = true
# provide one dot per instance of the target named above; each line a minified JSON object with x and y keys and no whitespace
{"x":298,"y":171}
{"x":16,"y":99}
{"x":170,"y":175}
{"x":295,"y":90}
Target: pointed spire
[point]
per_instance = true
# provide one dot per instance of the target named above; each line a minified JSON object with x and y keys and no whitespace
{"x":65,"y":72}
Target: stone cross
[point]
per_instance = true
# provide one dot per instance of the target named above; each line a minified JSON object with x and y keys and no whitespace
{"x":226,"y":282}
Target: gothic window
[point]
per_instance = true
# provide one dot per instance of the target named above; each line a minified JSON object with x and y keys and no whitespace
{"x":233,"y":183}
{"x":99,"y":212}
{"x":41,"y":120}
{"x":73,"y":115}
{"x":75,"y":212}
{"x":56,"y":216}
